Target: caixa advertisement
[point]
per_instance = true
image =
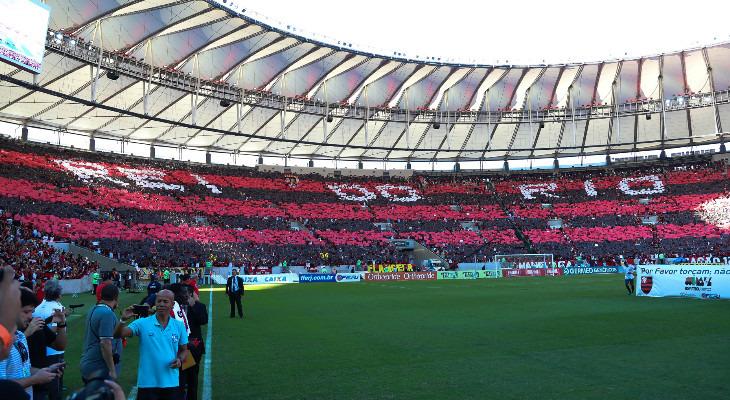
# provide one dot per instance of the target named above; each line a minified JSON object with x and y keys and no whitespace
{"x":699,"y":281}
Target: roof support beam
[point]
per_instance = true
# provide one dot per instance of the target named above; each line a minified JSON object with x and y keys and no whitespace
{"x":716,"y":113}
{"x":682,"y":56}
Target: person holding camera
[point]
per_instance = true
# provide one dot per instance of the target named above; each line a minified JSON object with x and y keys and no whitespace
{"x":39,"y":336}
{"x":17,"y":367}
{"x":52,"y":302}
{"x":101,"y":350}
{"x":162,"y":349}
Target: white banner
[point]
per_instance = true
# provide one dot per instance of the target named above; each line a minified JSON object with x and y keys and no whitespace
{"x":76,"y":285}
{"x":700,"y":281}
{"x":348,"y":277}
{"x":266,"y":279}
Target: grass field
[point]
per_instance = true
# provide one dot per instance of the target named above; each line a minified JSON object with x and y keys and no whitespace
{"x":567,"y":337}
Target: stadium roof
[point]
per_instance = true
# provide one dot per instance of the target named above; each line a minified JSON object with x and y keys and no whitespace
{"x":192,"y":74}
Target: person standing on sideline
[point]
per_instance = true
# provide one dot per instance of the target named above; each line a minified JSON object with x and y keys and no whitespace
{"x":629,"y":279}
{"x":162,"y":349}
{"x":101,"y":350}
{"x":105,"y":280}
{"x":95,"y":280}
{"x":166,"y":276}
{"x":51,"y":303}
{"x":234,"y":291}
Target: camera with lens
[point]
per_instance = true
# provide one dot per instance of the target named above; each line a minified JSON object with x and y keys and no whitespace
{"x":95,"y":388}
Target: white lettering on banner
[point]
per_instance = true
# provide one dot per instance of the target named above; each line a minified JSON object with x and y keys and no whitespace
{"x":542,"y":188}
{"x":149,"y":178}
{"x":385,"y":191}
{"x":590,"y":189}
{"x":202,"y":181}
{"x":656,"y":182}
{"x":265,"y":279}
{"x":709,"y":260}
{"x":529,"y":190}
{"x":340,"y":191}
{"x":88,"y":170}
{"x":565,"y":264}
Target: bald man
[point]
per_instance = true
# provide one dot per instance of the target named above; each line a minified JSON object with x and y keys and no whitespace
{"x":162,"y":349}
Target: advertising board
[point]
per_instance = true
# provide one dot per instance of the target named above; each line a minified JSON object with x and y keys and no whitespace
{"x":266,"y":279}
{"x":312,"y":278}
{"x":521,"y":272}
{"x":590,"y":270}
{"x":478,"y":274}
{"x":401,"y":276}
{"x":347,"y":278}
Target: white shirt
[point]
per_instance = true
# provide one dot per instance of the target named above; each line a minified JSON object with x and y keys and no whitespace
{"x":45,"y":310}
{"x":630,"y":272}
{"x":178,"y":313}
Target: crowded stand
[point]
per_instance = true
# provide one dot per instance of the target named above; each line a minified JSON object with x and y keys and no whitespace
{"x":164,"y":213}
{"x":28,"y":252}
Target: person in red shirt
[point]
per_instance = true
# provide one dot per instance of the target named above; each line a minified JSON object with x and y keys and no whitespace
{"x":106,"y":280}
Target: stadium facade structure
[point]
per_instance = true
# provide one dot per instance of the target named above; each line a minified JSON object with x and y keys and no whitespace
{"x":196,"y":75}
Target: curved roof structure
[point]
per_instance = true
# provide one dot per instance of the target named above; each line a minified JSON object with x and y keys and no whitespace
{"x":194,"y":74}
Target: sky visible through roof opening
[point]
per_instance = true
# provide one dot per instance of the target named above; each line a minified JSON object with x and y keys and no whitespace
{"x":524,"y":32}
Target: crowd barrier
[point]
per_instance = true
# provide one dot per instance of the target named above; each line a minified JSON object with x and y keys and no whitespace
{"x":71,"y":286}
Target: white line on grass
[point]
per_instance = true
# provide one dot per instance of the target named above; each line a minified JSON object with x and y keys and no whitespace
{"x":208,"y":348}
{"x":132,"y":394}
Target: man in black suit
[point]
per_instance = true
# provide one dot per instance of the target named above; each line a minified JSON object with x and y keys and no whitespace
{"x":234,"y":291}
{"x":197,"y":315}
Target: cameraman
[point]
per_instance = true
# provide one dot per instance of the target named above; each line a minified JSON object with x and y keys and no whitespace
{"x":101,"y":350}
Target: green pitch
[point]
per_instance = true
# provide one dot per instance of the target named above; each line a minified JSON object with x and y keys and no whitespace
{"x":568,"y":337}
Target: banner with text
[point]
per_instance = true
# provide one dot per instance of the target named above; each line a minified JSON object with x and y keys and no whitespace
{"x":590,"y":270}
{"x":348,"y":277}
{"x":401,"y":276}
{"x":700,"y":281}
{"x":516,"y":272}
{"x":388,"y":268}
{"x":266,"y":279}
{"x":310,"y":278}
{"x":478,"y":274}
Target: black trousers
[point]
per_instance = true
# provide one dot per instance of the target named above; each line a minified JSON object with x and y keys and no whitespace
{"x":171,"y":393}
{"x":235,"y":300}
{"x":189,"y":379}
{"x":55,"y":386}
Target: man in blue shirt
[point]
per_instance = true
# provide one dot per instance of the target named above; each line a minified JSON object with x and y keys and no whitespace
{"x":162,"y":349}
